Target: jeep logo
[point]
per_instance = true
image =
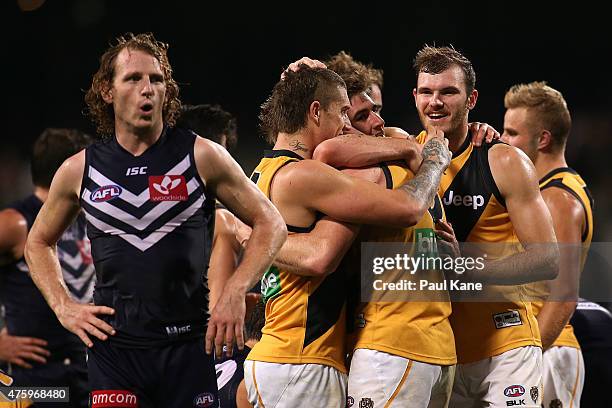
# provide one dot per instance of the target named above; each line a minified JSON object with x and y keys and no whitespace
{"x":473,"y":201}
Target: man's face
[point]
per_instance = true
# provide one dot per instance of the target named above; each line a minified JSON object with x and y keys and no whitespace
{"x":442,"y":101}
{"x":521,"y":132}
{"x":138,"y":90}
{"x":362,"y":115}
{"x":334,"y":120}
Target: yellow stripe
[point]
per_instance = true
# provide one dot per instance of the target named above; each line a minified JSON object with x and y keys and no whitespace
{"x":257,"y":388}
{"x":399,"y":386}
{"x":575,"y":381}
{"x":5,"y":379}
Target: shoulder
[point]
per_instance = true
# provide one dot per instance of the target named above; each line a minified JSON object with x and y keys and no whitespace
{"x":308,"y":173}
{"x":561,"y":201}
{"x":511,"y":168}
{"x":13,"y":222}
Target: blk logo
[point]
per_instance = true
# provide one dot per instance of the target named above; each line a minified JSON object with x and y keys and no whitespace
{"x":168,"y":188}
{"x":105,"y":193}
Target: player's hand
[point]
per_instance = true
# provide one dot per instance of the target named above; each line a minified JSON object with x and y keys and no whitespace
{"x":226,"y":322}
{"x":482,"y":131}
{"x":18,"y":349}
{"x":436,"y":147}
{"x":447,"y":243}
{"x":82,"y":320}
{"x":295,"y":66}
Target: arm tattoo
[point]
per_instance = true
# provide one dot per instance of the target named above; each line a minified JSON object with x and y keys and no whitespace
{"x":297,"y":145}
{"x":424,"y":186}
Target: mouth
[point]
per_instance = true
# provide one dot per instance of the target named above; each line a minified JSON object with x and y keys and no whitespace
{"x":435,"y":117}
{"x":147,"y":107}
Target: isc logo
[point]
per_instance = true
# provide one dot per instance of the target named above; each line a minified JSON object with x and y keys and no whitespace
{"x":105,"y":193}
{"x":204,"y":400}
{"x":133,"y":171}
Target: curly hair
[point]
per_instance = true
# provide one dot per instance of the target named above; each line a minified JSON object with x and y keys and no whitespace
{"x":101,"y":112}
{"x":548,"y":105}
{"x":286,"y":109}
{"x":357,"y":76}
{"x":434,"y":60}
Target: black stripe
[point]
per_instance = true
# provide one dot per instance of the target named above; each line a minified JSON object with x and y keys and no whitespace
{"x":483,"y":156}
{"x":559,"y":183}
{"x":324,"y":306}
{"x":281,"y":153}
{"x":557,"y":171}
{"x":292,"y":228}
{"x":387,"y":173}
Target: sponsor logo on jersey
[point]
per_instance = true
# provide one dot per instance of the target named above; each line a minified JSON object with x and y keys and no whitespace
{"x":515,"y":403}
{"x":270,"y":283}
{"x":350,"y":401}
{"x":514,"y":391}
{"x":105,"y":193}
{"x":473,"y":201}
{"x":366,"y":403}
{"x":168,"y":188}
{"x":507,"y":319}
{"x":204,"y":400}
{"x":534,"y":393}
{"x":425,"y":241}
{"x":113,"y":399}
{"x":173,"y":331}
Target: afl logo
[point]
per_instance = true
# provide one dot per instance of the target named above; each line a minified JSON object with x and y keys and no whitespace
{"x":204,"y":400}
{"x":105,"y":193}
{"x":514,"y":391}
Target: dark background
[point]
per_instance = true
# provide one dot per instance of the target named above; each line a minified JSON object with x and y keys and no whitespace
{"x":232,"y":53}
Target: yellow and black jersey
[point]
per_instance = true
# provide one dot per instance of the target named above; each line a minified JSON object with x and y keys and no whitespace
{"x":569,"y":180}
{"x":418,"y":330}
{"x":305,"y":316}
{"x":477,"y":211}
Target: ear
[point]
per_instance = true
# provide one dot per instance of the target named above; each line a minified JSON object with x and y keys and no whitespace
{"x":471,"y":102}
{"x":544,"y":140}
{"x":107,"y":93}
{"x":314,"y":112}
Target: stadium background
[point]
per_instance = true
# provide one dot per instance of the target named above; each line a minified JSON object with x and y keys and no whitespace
{"x":232,"y":53}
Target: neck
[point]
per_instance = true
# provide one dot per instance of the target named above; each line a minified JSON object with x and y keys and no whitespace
{"x":297,"y":142}
{"x":41,"y":193}
{"x":457,"y":138}
{"x":137,"y":140}
{"x":546,"y":162}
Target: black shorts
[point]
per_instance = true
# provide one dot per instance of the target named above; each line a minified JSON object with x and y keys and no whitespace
{"x":176,"y":375}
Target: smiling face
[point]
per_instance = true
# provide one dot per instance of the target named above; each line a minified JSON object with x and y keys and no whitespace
{"x":442,"y":101}
{"x":334,"y":119}
{"x":363,"y":116}
{"x":137,"y":93}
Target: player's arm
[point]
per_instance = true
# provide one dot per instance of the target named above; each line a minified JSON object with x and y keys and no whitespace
{"x":358,"y":150}
{"x":225,"y":179}
{"x":58,"y":212}
{"x":13,"y":235}
{"x":242,"y":399}
{"x":569,"y":220}
{"x":318,"y":252}
{"x":517,"y":181}
{"x":21,"y":350}
{"x":224,"y":256}
{"x":323,"y":189}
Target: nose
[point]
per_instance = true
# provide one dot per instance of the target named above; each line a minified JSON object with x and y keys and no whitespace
{"x":346,"y":124}
{"x":435,"y":100}
{"x":504,"y":138}
{"x":378,"y":123}
{"x":147,"y":89}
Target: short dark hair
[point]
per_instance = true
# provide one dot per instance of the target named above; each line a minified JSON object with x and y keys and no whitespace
{"x":211,"y":122}
{"x":255,"y":321}
{"x":434,"y":60}
{"x":51,"y":149}
{"x":286,"y":109}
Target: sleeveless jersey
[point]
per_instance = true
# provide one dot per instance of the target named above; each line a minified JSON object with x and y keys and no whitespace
{"x":230,"y":372}
{"x":477,"y":211}
{"x":570,"y":181}
{"x":418,"y":330}
{"x":592,"y":325}
{"x":150,"y":222}
{"x":26,"y":311}
{"x":305,"y":316}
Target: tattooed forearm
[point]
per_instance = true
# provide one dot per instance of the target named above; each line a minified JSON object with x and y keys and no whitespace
{"x":297,"y":145}
{"x":424,"y":186}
